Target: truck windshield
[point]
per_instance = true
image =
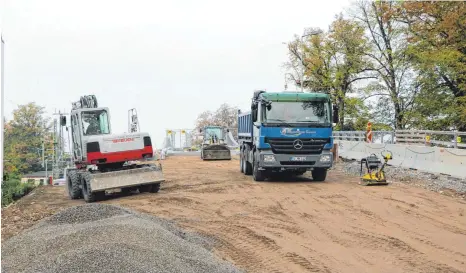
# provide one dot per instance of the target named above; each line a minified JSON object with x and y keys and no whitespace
{"x":312,"y":112}
{"x":95,"y":122}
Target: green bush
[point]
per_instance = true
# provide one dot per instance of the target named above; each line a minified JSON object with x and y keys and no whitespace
{"x":13,"y":190}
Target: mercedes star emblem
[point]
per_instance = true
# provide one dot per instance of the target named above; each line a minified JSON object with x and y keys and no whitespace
{"x":298,"y":144}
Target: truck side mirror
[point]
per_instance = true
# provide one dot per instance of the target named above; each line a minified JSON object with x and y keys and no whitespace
{"x":335,"y":114}
{"x":63,"y":120}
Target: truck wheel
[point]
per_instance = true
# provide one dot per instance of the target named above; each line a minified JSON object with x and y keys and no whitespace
{"x":72,"y":180}
{"x":319,"y":174}
{"x":247,"y":167}
{"x":241,"y":161}
{"x":88,"y":195}
{"x":256,"y":173}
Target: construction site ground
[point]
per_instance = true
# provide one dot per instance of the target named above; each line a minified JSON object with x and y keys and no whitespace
{"x":291,"y":226}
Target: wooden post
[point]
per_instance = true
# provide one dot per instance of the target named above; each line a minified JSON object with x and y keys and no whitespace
{"x":335,"y":152}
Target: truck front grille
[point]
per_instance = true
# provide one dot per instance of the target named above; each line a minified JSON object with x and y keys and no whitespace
{"x":287,"y":145}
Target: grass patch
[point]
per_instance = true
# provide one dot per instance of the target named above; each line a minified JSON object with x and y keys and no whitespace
{"x":13,"y":190}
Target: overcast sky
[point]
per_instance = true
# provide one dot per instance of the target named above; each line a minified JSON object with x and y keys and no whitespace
{"x":170,"y":60}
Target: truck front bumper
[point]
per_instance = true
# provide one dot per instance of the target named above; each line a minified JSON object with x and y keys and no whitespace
{"x":295,"y":161}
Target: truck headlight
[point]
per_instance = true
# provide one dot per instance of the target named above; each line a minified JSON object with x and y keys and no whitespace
{"x":269,"y":158}
{"x":325,"y":158}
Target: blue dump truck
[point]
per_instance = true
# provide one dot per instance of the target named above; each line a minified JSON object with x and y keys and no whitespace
{"x":287,"y":132}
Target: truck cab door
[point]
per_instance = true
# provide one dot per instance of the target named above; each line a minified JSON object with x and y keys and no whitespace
{"x":256,"y":125}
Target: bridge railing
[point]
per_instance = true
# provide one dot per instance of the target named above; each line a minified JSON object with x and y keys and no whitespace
{"x":448,"y":139}
{"x":377,"y":136}
{"x":432,"y":138}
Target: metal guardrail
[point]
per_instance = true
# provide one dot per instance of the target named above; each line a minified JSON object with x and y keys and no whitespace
{"x":377,"y":136}
{"x":434,"y":138}
{"x":448,"y":139}
{"x":436,"y":160}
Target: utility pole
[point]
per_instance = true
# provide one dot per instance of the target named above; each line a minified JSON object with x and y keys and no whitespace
{"x":303,"y":65}
{"x":71,"y":150}
{"x":44,"y":161}
{"x":46,"y":174}
{"x":43,"y":154}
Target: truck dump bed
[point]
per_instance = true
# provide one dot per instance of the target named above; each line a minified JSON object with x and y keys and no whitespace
{"x":244,"y":126}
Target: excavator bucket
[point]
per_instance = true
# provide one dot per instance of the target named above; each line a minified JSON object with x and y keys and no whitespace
{"x":132,"y":177}
{"x":215,"y":152}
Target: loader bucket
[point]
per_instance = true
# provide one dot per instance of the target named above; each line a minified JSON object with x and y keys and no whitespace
{"x":147,"y":174}
{"x":216,"y":152}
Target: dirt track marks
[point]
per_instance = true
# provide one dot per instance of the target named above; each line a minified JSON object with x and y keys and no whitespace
{"x":304,"y":226}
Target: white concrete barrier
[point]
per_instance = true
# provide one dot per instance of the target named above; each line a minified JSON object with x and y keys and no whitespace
{"x":429,"y":159}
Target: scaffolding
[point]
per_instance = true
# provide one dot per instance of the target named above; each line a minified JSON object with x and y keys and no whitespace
{"x":178,"y":139}
{"x":60,"y":159}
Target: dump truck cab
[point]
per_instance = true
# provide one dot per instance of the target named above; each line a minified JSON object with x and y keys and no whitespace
{"x":287,"y":131}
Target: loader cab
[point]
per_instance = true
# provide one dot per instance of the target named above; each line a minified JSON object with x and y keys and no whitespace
{"x":213,"y":134}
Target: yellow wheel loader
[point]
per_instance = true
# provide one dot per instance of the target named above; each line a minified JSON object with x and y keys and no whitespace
{"x":214,"y":146}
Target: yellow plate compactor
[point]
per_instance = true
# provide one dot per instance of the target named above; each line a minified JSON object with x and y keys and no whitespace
{"x":374,"y":175}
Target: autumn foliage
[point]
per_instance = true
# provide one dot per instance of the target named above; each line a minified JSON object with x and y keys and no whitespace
{"x":23,"y":140}
{"x":399,"y":63}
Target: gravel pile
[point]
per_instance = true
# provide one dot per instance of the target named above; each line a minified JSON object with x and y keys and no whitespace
{"x":107,"y":238}
{"x":434,"y":182}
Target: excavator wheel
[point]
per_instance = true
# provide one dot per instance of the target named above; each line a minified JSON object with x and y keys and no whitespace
{"x":88,"y":195}
{"x":153,"y":188}
{"x":72,"y":183}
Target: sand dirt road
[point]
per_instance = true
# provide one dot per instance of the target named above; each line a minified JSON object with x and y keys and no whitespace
{"x":300,"y":226}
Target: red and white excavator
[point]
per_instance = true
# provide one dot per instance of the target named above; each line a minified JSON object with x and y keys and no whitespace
{"x":106,"y":161}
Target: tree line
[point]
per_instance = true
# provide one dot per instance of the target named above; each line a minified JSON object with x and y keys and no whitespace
{"x":225,"y":116}
{"x":22,"y":150}
{"x":401,"y":65}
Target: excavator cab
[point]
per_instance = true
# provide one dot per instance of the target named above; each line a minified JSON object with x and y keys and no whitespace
{"x":214,"y":146}
{"x":95,"y":122}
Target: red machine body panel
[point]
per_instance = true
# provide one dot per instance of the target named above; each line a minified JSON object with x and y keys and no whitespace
{"x":113,"y":157}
